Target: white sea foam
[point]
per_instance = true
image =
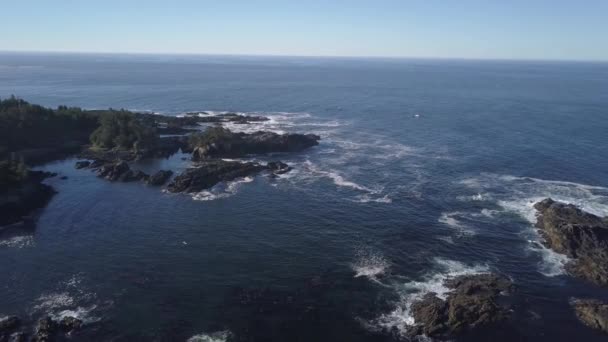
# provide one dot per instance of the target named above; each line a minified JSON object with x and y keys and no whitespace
{"x":222,"y":190}
{"x":82,"y":313}
{"x":400,"y":318}
{"x":450,"y":219}
{"x":18,"y":241}
{"x":367,"y":198}
{"x":220,"y":336}
{"x":72,"y":301}
{"x":54,"y":301}
{"x":370,"y":264}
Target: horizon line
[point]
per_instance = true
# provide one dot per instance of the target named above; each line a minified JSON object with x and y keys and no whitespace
{"x":210,"y":54}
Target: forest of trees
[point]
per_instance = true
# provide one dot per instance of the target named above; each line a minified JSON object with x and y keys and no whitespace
{"x":24,"y":125}
{"x":122,"y":129}
{"x":28,"y":126}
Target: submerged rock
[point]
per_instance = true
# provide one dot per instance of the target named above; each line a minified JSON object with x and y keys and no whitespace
{"x":471,"y":304}
{"x":592,"y":313}
{"x":8,"y":325}
{"x":82,"y":164}
{"x":279,"y":167}
{"x":160,"y":177}
{"x":211,"y":172}
{"x":218,"y":142}
{"x":580,"y":235}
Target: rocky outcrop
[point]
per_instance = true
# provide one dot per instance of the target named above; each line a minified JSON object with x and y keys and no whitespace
{"x":227,"y":117}
{"x":160,"y":177}
{"x":218,"y":142}
{"x":211,"y":172}
{"x":120,"y":171}
{"x":592,"y":313}
{"x":580,"y":235}
{"x":472,"y":304}
{"x":19,"y":201}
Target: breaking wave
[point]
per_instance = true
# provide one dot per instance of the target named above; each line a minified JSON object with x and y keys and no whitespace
{"x":221,"y":190}
{"x":370,"y":264}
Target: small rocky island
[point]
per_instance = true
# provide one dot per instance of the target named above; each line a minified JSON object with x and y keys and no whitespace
{"x":472,"y":304}
{"x":581,"y":236}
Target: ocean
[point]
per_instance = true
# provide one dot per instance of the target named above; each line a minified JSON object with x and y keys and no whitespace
{"x":426,"y":169}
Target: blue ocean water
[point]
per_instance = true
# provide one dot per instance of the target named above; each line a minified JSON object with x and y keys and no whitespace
{"x":426,"y":169}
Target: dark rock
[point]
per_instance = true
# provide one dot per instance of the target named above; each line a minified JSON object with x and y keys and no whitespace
{"x":63,"y":177}
{"x":592,"y":313}
{"x":45,"y":330}
{"x":82,"y":164}
{"x":472,"y":304}
{"x":193,"y":117}
{"x":133,"y":176}
{"x":580,"y":235}
{"x":70,"y":323}
{"x":9,"y":324}
{"x":120,"y":171}
{"x":211,"y":172}
{"x":18,"y":202}
{"x":278,"y":167}
{"x":160,"y":177}
{"x":113,"y":171}
{"x":97,"y":163}
{"x":219,"y":142}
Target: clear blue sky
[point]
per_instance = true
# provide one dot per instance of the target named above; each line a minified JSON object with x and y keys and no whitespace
{"x":531,"y":29}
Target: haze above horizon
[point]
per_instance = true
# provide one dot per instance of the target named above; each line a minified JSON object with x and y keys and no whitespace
{"x":471,"y":29}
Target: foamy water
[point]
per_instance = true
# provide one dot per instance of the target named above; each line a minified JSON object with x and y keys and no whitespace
{"x":18,"y":241}
{"x":222,"y":190}
{"x":370,"y":264}
{"x":220,"y":336}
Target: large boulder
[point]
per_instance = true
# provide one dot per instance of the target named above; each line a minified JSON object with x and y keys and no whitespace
{"x":471,"y":304}
{"x":218,"y":142}
{"x":209,"y":173}
{"x":592,"y":313}
{"x":160,"y":177}
{"x":580,"y":235}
